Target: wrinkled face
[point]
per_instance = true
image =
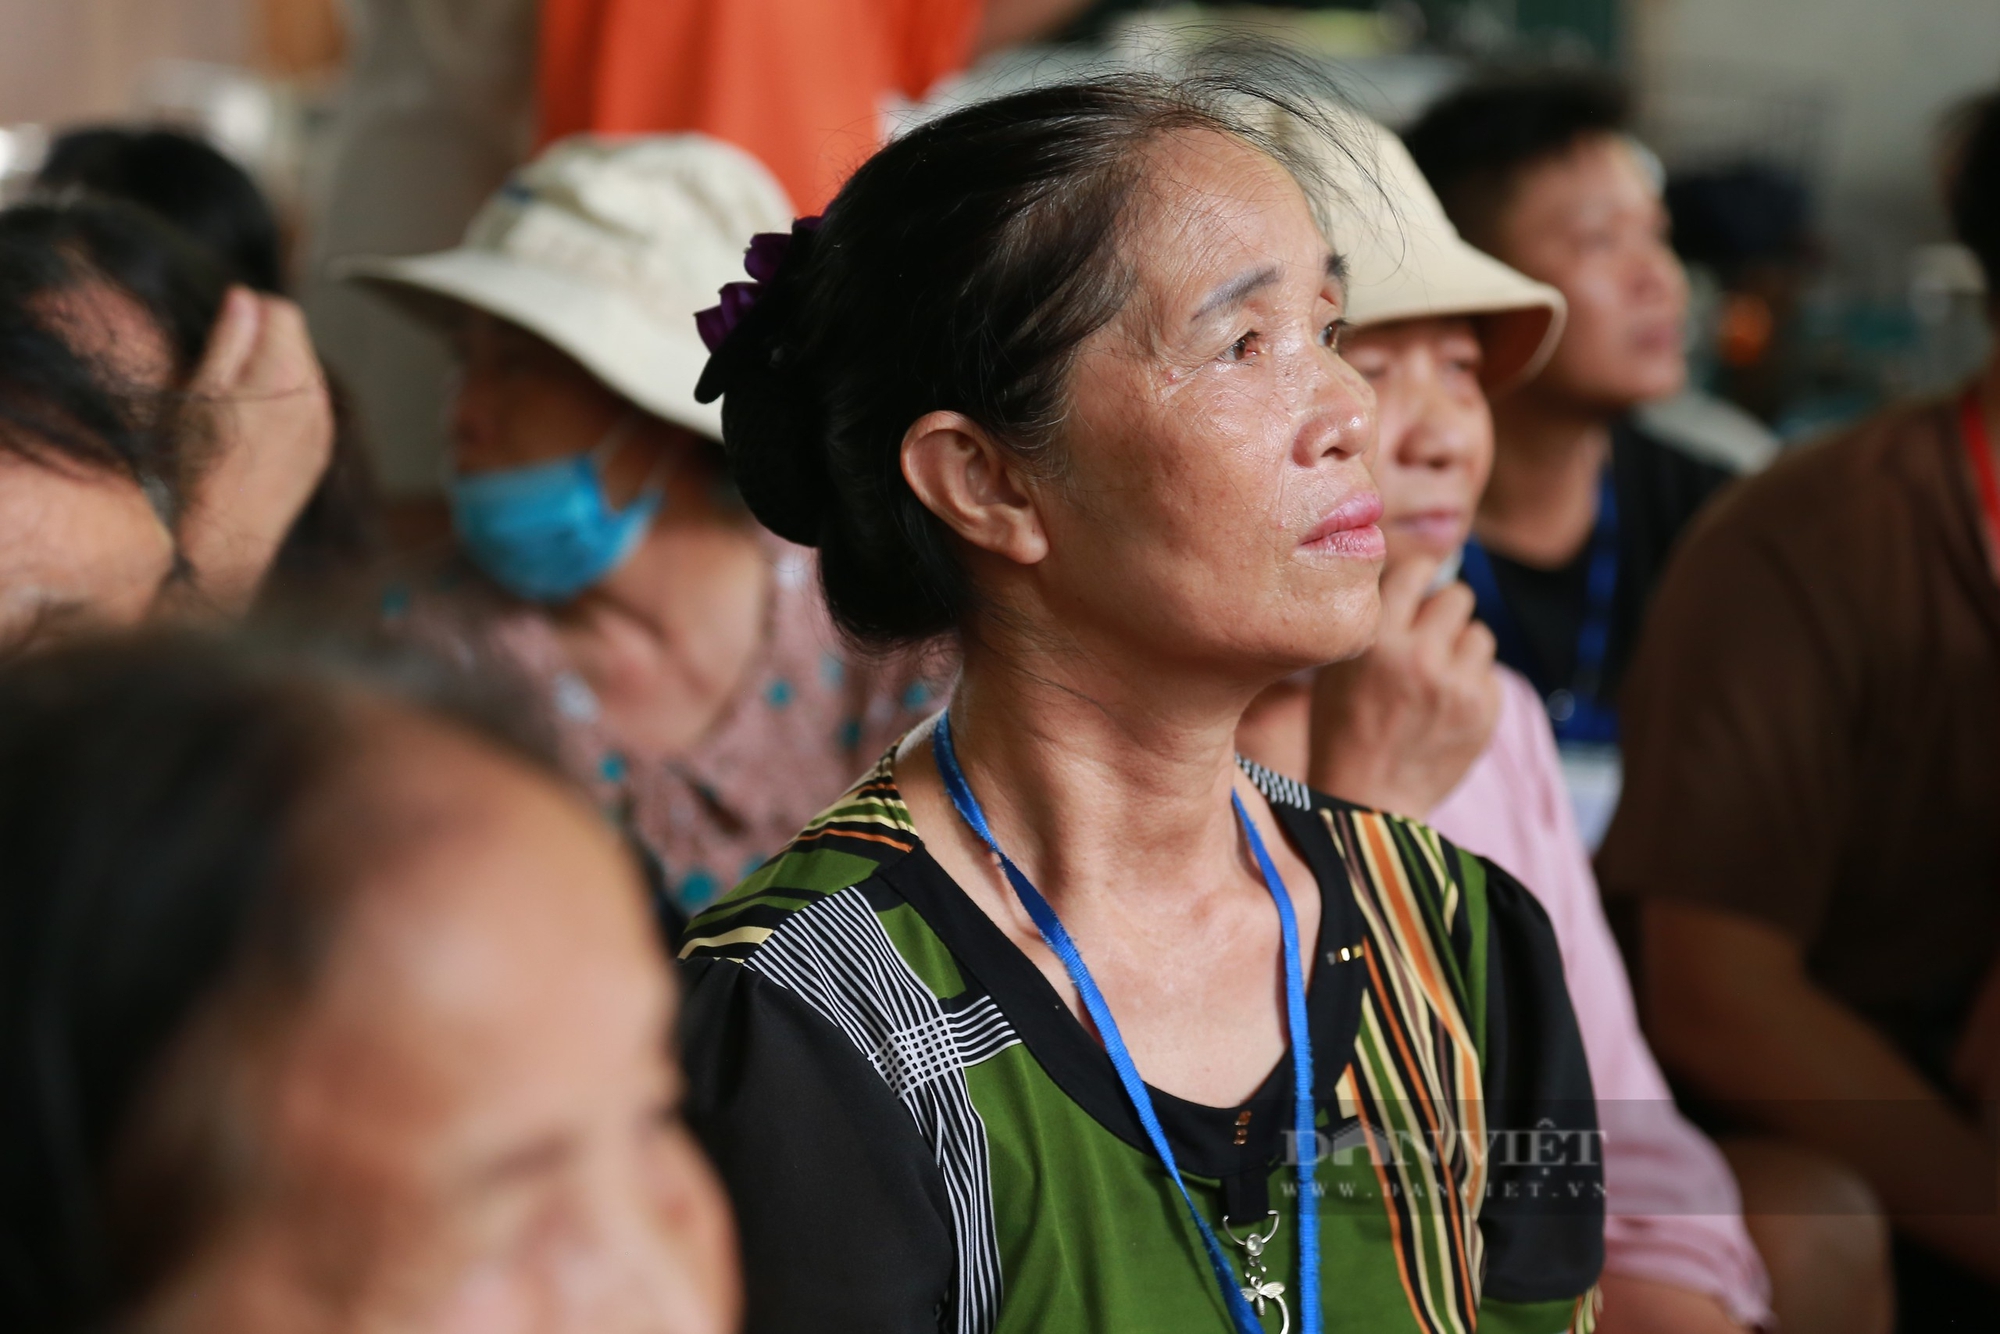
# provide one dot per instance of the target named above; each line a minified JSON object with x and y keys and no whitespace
{"x":83,"y":550}
{"x":1216,"y":508}
{"x":1591,"y":223}
{"x":521,"y":400}
{"x":473,"y":1127}
{"x":1436,"y":443}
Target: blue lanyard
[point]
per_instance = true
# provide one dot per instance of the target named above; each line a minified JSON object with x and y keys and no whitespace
{"x":1058,"y":939}
{"x":1578,"y":714}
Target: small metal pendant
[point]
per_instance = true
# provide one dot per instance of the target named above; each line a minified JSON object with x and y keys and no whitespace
{"x":1258,"y":1289}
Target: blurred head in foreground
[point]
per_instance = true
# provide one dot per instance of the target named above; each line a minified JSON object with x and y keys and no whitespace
{"x":160,"y":429}
{"x":215,"y":204}
{"x":1540,"y":172}
{"x":103,"y":314}
{"x":182,"y":179}
{"x":321,"y":1009}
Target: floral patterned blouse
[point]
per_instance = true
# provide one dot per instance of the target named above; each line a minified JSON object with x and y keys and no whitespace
{"x":809,"y":717}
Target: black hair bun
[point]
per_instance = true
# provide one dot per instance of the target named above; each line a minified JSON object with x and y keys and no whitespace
{"x":961,"y":268}
{"x":773,"y":428}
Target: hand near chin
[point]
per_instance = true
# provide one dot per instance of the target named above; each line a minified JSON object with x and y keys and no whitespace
{"x":270,"y":424}
{"x":1399,"y":726}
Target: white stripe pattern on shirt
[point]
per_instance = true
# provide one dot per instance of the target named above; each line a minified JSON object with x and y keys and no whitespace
{"x":1276,"y":787}
{"x":836,"y":957}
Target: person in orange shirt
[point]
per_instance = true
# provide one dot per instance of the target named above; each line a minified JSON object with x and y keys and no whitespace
{"x":802,"y":84}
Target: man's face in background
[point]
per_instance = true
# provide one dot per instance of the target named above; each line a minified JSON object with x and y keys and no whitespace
{"x":1590,"y":222}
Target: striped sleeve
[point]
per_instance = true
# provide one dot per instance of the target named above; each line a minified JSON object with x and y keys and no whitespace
{"x":843,"y":1214}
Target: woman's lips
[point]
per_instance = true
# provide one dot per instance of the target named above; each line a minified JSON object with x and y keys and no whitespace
{"x":1442,"y":529}
{"x":1351,"y":529}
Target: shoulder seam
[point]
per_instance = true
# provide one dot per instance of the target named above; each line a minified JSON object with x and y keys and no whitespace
{"x":855,"y":815}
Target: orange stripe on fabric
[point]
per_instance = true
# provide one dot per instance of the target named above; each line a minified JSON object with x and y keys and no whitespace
{"x":851,"y":833}
{"x":1418,"y":951}
{"x":1393,"y":1021}
{"x":1457,"y":1207}
{"x":1389,"y":1208}
{"x":1394,"y":934}
{"x":1388,"y":864}
{"x":1388,"y":1086}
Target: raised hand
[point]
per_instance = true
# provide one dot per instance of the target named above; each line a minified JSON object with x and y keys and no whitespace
{"x":1399,"y":726}
{"x":271,"y":427}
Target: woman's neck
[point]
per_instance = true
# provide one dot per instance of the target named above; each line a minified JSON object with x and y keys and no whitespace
{"x":1108,"y":782}
{"x":1094,"y":777}
{"x":1541,"y":503}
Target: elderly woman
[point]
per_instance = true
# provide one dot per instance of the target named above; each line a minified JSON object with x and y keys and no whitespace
{"x":1427,"y":724}
{"x":160,"y":430}
{"x":1064,"y":1018}
{"x":683,"y":655}
{"x":325,"y":1009}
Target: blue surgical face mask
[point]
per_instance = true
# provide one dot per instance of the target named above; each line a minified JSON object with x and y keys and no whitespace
{"x":548,"y":531}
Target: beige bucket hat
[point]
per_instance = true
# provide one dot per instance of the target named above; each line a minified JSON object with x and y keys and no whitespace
{"x":606,"y":247}
{"x":1405,"y":260}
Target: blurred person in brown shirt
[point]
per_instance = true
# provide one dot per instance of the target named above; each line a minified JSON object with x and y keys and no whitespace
{"x":1811,"y":817}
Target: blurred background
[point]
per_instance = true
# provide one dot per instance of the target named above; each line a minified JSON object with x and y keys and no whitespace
{"x":1799,"y":139}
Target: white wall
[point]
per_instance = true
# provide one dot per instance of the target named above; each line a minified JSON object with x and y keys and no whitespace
{"x":1871,"y":77}
{"x":65,"y":60}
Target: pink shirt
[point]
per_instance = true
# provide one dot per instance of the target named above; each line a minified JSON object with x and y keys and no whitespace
{"x":1673,"y":1212}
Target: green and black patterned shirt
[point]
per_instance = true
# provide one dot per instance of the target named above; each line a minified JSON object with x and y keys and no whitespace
{"x":918,"y":1135}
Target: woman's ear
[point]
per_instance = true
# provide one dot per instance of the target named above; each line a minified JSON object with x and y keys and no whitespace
{"x":969,"y":480}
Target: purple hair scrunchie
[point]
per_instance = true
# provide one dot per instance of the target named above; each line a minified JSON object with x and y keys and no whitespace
{"x":761,"y":261}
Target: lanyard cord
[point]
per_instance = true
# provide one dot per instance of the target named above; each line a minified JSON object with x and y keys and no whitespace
{"x":1577,"y":715}
{"x":1979,"y":452}
{"x":1057,"y":938}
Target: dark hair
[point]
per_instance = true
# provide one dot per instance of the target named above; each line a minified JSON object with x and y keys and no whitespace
{"x":56,"y":401}
{"x":1732,"y":218}
{"x":60,"y":404}
{"x":185,"y":181}
{"x":1972,"y":187}
{"x":959,"y":269}
{"x":215,"y":203}
{"x":1475,"y":144}
{"x":167,"y":874}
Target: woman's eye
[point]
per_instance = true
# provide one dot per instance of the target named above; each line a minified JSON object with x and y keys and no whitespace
{"x":1331,"y":334}
{"x":1241,"y":348}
